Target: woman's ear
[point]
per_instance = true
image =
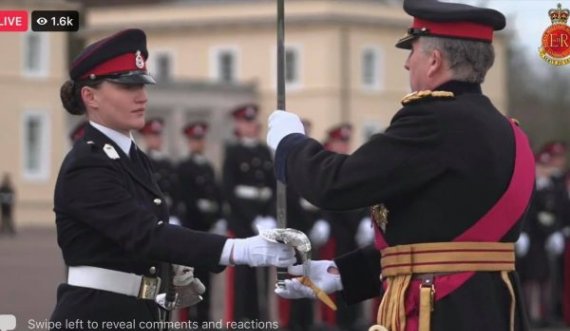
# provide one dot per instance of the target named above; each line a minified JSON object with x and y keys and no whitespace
{"x":88,"y":96}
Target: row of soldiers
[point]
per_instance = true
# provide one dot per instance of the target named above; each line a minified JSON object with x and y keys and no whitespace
{"x":543,"y":248}
{"x":243,"y":202}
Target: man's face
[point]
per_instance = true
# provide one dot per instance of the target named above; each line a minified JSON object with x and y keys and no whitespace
{"x":247,"y":128}
{"x":417,"y":64}
{"x":153,"y":141}
{"x":339,"y":146}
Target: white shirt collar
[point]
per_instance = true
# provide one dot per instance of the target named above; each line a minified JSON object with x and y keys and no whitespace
{"x":118,"y":138}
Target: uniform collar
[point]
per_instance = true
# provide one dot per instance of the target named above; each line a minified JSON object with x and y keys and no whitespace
{"x":118,"y":138}
{"x":458,"y":87}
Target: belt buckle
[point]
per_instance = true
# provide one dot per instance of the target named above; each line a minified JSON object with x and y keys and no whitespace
{"x":149,"y":288}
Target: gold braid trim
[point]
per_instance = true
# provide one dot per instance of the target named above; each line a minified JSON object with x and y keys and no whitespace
{"x":425,"y":95}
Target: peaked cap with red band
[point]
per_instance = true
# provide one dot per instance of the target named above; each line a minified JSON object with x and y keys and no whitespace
{"x":120,"y":58}
{"x":246,"y":112}
{"x":450,"y":20}
{"x":195,"y":130}
{"x":152,"y":126}
{"x":341,"y":132}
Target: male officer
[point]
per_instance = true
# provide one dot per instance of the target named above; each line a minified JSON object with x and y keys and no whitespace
{"x":450,"y":181}
{"x":200,"y":199}
{"x":248,"y":186}
{"x":163,"y":168}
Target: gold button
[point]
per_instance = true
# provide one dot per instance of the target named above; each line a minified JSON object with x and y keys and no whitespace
{"x":157,"y":201}
{"x":152,"y":270}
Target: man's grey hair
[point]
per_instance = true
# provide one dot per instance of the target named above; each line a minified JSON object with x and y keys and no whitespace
{"x":468,"y":60}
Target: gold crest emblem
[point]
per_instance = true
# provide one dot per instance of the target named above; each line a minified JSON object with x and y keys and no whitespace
{"x":555,"y":47}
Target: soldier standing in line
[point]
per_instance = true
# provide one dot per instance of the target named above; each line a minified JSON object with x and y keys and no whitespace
{"x":249,"y":186}
{"x":162,"y":166}
{"x":200,"y":202}
{"x":541,"y":230}
{"x":7,"y":202}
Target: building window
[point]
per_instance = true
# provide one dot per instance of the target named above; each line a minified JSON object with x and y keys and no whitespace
{"x":372,"y":68}
{"x":35,"y":143}
{"x":292,"y":66}
{"x":224,"y":64}
{"x":161,"y":69}
{"x":35,"y":57}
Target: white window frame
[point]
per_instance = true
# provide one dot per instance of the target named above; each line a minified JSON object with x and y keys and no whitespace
{"x":44,"y":56}
{"x":153,"y":65}
{"x":41,"y":174}
{"x":215,"y":53}
{"x":379,"y":70}
{"x":294,"y":85}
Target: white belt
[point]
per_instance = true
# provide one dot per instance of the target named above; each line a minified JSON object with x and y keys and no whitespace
{"x":253,"y":193}
{"x":115,"y":281}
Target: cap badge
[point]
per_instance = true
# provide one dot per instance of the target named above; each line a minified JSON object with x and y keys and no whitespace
{"x":139,"y":61}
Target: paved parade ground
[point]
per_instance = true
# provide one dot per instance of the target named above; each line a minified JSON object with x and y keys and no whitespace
{"x":32,"y":268}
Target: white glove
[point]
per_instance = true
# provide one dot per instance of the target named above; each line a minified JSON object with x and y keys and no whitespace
{"x":281,"y":124}
{"x":555,"y":243}
{"x":365,"y":232}
{"x":320,"y":274}
{"x":188,"y":288}
{"x":522,"y":245}
{"x":320,"y":232}
{"x":256,"y":251}
{"x":220,"y":227}
{"x":263,"y":223}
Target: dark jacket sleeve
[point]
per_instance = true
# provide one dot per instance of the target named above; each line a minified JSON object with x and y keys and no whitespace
{"x":396,"y":162}
{"x":94,"y":194}
{"x":360,"y":274}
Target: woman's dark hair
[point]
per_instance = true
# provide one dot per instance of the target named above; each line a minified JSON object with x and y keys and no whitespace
{"x":70,"y":94}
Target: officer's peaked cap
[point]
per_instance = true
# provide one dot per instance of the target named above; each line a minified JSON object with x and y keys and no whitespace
{"x":450,"y":20}
{"x":120,"y":58}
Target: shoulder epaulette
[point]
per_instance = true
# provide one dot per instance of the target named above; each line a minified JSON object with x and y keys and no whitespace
{"x":426,"y":95}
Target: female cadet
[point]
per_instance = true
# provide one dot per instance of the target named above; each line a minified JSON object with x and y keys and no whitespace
{"x":109,"y":210}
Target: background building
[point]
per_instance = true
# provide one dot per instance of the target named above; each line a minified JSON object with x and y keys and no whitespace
{"x":209,"y":56}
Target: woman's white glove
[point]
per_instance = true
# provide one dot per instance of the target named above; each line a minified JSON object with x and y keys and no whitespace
{"x":365,"y":232}
{"x":324,"y":274}
{"x":256,"y":252}
{"x":320,"y":233}
{"x":555,"y":243}
{"x":522,"y":245}
{"x":281,"y":124}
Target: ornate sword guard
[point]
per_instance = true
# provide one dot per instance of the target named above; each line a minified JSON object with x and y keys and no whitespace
{"x":293,"y":238}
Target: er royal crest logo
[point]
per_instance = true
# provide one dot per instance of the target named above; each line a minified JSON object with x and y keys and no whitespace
{"x":555,"y":47}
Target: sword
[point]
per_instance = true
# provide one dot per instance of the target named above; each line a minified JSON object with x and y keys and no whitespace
{"x":281,"y":188}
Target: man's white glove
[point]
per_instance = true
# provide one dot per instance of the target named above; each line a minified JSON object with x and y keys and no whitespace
{"x":522,"y":245}
{"x":555,"y":243}
{"x":365,"y":232}
{"x":220,"y":227}
{"x":188,"y":288}
{"x":320,"y":233}
{"x":321,"y":274}
{"x":256,"y":251}
{"x":261,"y":223}
{"x":281,"y":124}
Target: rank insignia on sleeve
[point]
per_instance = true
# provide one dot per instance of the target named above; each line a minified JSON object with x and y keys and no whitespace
{"x":110,"y":151}
{"x":426,"y":95}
